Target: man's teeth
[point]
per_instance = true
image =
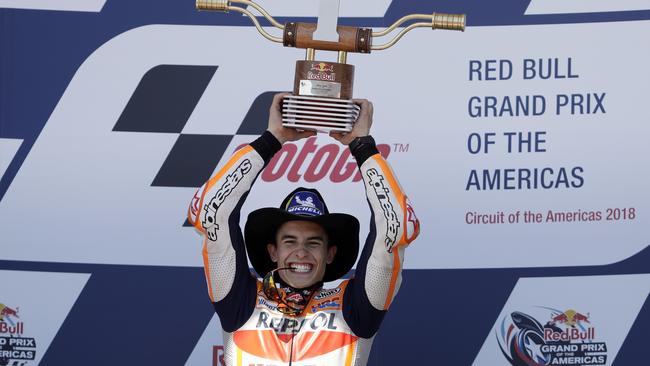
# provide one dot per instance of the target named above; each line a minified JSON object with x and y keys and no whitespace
{"x":301,"y":267}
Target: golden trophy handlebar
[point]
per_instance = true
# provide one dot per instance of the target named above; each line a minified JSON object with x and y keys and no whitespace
{"x":352,"y":39}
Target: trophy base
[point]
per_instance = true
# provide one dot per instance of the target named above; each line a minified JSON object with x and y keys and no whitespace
{"x":318,"y":113}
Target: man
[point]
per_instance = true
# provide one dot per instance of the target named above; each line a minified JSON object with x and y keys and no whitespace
{"x":288,"y":317}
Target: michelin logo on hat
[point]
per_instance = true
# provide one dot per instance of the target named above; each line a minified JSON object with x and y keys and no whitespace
{"x":305,"y":204}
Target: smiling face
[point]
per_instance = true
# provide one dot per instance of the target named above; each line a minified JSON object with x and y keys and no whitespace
{"x":303,"y":246}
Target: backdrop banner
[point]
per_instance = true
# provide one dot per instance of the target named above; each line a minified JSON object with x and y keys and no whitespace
{"x":521,"y":142}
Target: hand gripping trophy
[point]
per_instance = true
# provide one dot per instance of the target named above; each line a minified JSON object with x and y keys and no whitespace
{"x":322,"y":91}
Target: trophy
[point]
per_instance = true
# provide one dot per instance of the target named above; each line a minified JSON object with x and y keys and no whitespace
{"x":322,"y":90}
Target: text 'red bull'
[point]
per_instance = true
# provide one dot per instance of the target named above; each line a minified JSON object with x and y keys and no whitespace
{"x":17,"y":329}
{"x":570,"y":334}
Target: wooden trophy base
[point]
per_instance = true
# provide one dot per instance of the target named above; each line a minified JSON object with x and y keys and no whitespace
{"x":322,"y":98}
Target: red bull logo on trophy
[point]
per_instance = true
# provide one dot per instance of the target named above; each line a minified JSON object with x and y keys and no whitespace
{"x":321,"y":71}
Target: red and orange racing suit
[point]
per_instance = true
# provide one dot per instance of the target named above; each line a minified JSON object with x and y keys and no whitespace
{"x":339,"y":324}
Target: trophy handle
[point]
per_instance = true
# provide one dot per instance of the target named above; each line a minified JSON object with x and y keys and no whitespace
{"x":225,"y":6}
{"x":436,"y":21}
{"x":354,"y":39}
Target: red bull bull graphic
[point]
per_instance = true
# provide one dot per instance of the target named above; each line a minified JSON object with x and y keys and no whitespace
{"x":570,"y":317}
{"x":7,"y":312}
{"x":14,"y":348}
{"x":567,"y":338}
{"x":322,"y":67}
{"x":8,"y":322}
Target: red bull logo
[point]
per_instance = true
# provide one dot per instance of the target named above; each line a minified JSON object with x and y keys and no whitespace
{"x":570,"y":318}
{"x":321,"y":71}
{"x":322,"y":67}
{"x":313,"y":163}
{"x":563,"y":340}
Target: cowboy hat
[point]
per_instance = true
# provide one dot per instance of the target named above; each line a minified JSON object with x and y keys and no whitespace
{"x":303,"y":204}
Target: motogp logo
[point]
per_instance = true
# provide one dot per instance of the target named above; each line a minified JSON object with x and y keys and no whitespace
{"x":311,"y":163}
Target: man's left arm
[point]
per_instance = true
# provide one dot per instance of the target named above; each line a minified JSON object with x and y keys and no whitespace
{"x":393,"y":226}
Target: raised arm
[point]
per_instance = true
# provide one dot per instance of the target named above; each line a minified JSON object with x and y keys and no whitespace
{"x":215,"y":211}
{"x":393,"y":225}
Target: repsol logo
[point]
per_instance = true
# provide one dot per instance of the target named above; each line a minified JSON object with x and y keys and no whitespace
{"x":282,"y":325}
{"x":377,"y":182}
{"x":232,"y":180}
{"x":313,"y":163}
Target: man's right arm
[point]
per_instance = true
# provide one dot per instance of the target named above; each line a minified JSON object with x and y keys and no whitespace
{"x":214,"y":212}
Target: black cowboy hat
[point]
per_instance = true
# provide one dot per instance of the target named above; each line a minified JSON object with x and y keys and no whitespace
{"x":303,"y":204}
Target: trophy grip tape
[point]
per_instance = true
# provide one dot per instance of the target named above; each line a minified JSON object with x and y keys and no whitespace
{"x":448,"y":21}
{"x":213,"y":5}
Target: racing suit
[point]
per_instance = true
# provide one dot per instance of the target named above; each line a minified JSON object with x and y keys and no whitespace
{"x":338,"y":324}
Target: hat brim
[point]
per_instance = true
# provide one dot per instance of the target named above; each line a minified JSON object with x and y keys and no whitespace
{"x":342,"y":231}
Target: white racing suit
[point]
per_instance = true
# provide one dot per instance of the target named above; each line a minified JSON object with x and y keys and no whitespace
{"x":339,"y":324}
